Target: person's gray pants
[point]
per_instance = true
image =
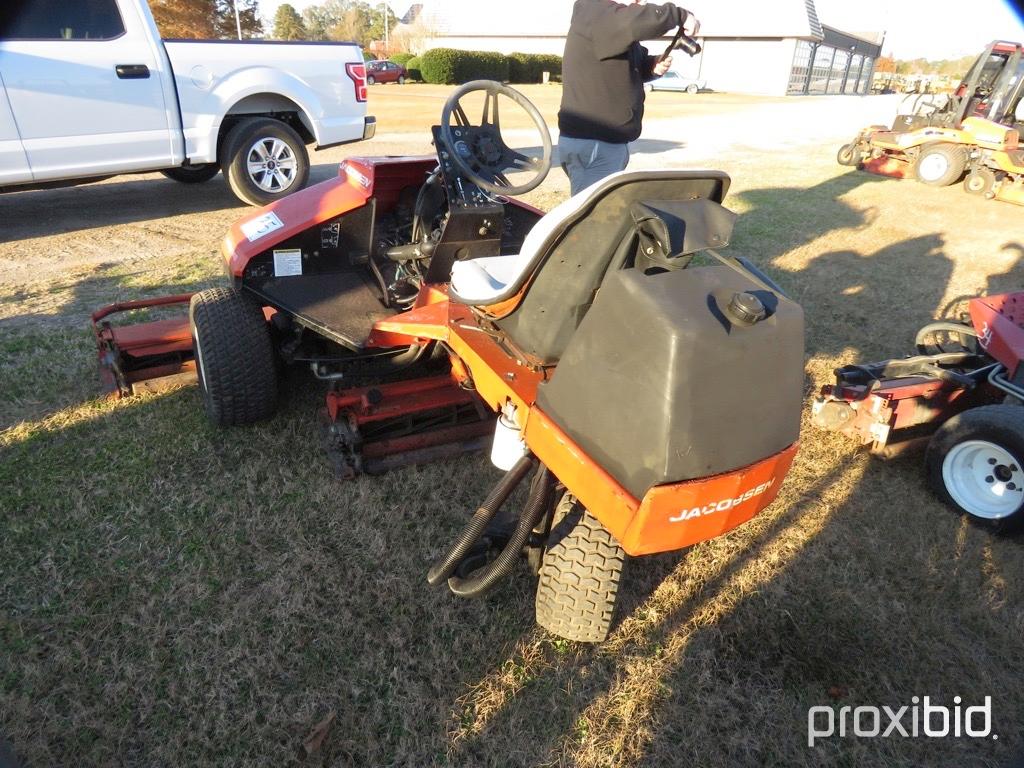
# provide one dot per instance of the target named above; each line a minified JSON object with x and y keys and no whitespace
{"x":586,"y":161}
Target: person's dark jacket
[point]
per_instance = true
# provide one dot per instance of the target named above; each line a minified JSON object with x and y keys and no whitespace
{"x":604,"y":68}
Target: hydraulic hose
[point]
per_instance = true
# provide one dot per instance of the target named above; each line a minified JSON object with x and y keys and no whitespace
{"x":483,"y":579}
{"x":471,"y":534}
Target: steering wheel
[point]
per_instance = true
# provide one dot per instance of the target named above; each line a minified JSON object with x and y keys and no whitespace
{"x":478,"y":151}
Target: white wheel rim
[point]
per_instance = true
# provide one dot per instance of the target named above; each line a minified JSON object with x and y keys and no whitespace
{"x":983,"y":478}
{"x":271,"y":164}
{"x":933,"y":166}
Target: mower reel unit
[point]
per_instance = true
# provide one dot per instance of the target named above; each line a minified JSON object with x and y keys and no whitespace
{"x":937,"y":138}
{"x":599,"y":365}
{"x":961,"y":395}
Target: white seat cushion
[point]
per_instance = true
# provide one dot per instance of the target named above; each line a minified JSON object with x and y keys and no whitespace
{"x":484,"y":281}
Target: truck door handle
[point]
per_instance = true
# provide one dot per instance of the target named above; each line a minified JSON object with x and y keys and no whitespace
{"x":132,"y":71}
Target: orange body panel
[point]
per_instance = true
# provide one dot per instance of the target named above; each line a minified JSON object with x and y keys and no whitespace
{"x":668,"y":517}
{"x":682,"y":514}
{"x":1011,"y":193}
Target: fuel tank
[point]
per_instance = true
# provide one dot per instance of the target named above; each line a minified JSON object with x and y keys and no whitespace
{"x":682,"y":374}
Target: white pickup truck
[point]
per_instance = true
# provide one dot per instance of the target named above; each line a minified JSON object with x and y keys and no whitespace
{"x":89,"y":90}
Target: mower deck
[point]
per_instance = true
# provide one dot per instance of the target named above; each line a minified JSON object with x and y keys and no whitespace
{"x":342,"y":306}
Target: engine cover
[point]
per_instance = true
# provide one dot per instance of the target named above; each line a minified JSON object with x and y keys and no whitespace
{"x":665,"y":380}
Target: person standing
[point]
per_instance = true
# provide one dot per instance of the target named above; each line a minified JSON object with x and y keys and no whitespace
{"x":603,"y":74}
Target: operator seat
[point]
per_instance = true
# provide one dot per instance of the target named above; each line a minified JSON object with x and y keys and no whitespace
{"x":566,"y":255}
{"x":491,"y":279}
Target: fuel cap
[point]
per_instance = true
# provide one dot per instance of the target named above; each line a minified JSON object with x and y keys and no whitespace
{"x":746,"y":309}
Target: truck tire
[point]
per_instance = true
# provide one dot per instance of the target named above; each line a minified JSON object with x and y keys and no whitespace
{"x":265,"y":160}
{"x":579,"y":575}
{"x":192,"y":174}
{"x":234,"y":356}
{"x":940,"y":164}
{"x":975,"y":464}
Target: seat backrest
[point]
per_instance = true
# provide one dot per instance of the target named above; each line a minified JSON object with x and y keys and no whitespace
{"x":572,"y":252}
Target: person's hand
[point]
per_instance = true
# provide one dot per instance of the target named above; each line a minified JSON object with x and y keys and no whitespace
{"x":663,"y":66}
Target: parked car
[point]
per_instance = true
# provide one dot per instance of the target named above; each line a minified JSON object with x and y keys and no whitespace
{"x":89,"y":90}
{"x":673,"y":81}
{"x":385,"y":72}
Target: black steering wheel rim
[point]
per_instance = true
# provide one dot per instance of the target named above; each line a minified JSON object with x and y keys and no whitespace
{"x":488,"y":134}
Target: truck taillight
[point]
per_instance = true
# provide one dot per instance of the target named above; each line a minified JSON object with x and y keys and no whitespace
{"x":358,"y":74}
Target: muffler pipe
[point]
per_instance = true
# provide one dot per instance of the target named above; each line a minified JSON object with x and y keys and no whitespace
{"x":474,"y":530}
{"x":481,"y":581}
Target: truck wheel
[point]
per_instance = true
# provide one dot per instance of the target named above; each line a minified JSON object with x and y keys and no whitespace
{"x":192,"y":174}
{"x":940,"y":164}
{"x":265,"y":160}
{"x":975,"y":463}
{"x":579,"y":575}
{"x":692,"y":89}
{"x":848,"y":155}
{"x":234,"y":357}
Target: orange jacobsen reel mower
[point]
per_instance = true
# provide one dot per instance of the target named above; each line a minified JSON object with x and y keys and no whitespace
{"x":654,"y":401}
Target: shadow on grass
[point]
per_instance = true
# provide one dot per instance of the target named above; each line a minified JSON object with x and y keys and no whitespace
{"x":40,"y":213}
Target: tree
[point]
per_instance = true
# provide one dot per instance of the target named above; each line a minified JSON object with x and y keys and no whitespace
{"x":205,"y":19}
{"x":885,"y":64}
{"x":288,"y":24}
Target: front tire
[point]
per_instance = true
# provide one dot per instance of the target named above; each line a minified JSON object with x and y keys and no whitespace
{"x":940,"y":164}
{"x":192,"y":174}
{"x":579,"y":575}
{"x":692,"y":89}
{"x":401,"y":79}
{"x":234,"y":357}
{"x":266,"y":160}
{"x":975,"y":464}
{"x":980,"y":181}
{"x":370,"y":80}
{"x":848,"y":155}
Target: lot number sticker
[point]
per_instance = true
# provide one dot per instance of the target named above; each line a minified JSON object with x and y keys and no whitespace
{"x":287,"y":262}
{"x":256,"y":228}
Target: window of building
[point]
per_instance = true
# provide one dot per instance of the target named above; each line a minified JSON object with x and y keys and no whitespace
{"x":840,"y":60}
{"x":801,"y":66}
{"x":865,"y":75}
{"x":62,"y":20}
{"x":853,"y":76}
{"x":821,"y":69}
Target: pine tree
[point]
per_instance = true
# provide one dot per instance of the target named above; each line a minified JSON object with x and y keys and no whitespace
{"x":288,"y":24}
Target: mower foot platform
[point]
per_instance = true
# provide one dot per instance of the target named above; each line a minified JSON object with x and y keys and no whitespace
{"x":342,"y":306}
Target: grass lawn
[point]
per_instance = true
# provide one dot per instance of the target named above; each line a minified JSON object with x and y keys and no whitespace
{"x":175,"y":594}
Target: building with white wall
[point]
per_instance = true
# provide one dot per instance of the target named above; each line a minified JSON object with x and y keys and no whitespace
{"x":749,"y":46}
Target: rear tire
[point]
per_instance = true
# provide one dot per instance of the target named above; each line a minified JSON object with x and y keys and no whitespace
{"x":579,"y":575}
{"x":370,"y":80}
{"x":253,"y":143}
{"x":940,"y":164}
{"x":192,"y":174}
{"x":234,"y":357}
{"x":975,"y":464}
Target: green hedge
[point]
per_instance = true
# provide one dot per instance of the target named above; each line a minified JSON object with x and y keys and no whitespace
{"x":412,"y":69}
{"x":367,"y":56}
{"x":401,"y":58}
{"x":453,"y":67}
{"x":530,"y":67}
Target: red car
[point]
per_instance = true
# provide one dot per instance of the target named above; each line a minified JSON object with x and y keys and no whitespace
{"x":384,"y":72}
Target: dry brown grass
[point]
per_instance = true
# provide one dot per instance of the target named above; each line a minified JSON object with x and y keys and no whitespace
{"x":175,"y":594}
